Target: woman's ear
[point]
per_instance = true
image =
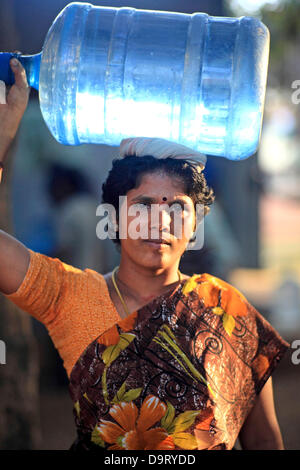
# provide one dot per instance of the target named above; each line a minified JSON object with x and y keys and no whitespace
{"x":197,"y":240}
{"x":200,"y":212}
{"x":206,"y":210}
{"x":113,"y":225}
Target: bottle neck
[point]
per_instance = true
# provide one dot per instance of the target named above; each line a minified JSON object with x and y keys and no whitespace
{"x":31,"y":63}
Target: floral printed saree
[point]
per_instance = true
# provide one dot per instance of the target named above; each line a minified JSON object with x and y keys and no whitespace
{"x":182,"y":372}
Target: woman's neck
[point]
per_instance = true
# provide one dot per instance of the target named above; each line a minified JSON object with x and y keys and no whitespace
{"x":145,"y":283}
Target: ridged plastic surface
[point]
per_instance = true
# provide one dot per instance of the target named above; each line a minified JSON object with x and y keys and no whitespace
{"x":109,"y":73}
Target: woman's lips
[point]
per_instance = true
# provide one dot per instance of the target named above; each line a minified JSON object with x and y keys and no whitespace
{"x":158,"y":243}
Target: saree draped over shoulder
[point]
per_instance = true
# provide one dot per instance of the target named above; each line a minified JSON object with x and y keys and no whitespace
{"x":183,"y":372}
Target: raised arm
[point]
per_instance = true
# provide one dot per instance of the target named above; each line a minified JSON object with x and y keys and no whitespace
{"x":14,"y":256}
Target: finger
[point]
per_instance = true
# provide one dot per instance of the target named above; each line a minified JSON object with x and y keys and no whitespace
{"x":19,"y":73}
{"x":2,"y":92}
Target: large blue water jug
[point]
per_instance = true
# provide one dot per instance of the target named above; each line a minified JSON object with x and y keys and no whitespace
{"x":109,"y":73}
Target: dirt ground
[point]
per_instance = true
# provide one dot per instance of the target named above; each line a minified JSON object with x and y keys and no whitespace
{"x":58,"y":430}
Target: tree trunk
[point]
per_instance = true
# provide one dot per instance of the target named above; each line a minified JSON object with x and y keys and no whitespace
{"x":19,"y":385}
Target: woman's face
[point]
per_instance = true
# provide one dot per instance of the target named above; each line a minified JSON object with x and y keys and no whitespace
{"x":156,"y":222}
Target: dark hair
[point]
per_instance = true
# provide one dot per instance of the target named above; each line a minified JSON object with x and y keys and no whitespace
{"x":126,"y":174}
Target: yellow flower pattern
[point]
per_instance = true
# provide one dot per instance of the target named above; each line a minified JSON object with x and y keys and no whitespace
{"x":223,"y":299}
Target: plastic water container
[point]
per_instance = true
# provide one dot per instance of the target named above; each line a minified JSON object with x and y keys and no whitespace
{"x":109,"y":73}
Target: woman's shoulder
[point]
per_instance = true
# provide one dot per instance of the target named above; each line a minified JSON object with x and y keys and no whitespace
{"x":94,"y":275}
{"x":211,"y":282}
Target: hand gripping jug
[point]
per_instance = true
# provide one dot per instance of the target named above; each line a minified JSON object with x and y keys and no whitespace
{"x":109,"y":73}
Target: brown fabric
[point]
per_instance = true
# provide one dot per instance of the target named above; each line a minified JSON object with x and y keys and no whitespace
{"x":181,"y":373}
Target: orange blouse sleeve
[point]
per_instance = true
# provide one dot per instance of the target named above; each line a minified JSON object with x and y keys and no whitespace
{"x":74,"y":305}
{"x":45,"y":287}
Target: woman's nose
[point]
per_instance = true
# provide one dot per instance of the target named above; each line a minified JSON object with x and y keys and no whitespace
{"x":160,"y":218}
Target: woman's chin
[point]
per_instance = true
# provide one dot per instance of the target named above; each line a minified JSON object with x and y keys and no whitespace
{"x":155,"y":260}
{"x":152,"y":259}
{"x":149,"y":254}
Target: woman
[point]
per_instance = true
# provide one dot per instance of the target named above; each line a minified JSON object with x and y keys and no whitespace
{"x":156,"y":359}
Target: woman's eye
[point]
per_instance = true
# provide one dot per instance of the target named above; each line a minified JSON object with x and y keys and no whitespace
{"x":177,"y":209}
{"x":140,"y":206}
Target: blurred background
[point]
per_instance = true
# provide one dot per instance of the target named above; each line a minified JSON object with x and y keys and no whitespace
{"x":252,"y":234}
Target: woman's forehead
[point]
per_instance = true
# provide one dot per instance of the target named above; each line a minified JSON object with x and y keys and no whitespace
{"x":159,"y":184}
